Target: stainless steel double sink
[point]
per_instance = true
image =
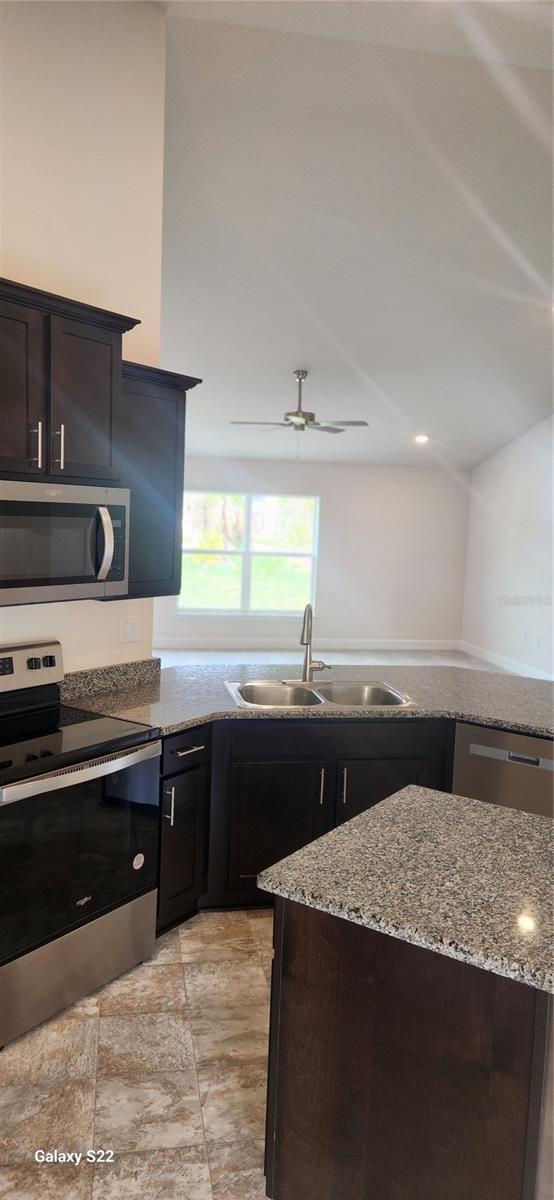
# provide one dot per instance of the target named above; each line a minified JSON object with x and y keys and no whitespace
{"x":268,"y":693}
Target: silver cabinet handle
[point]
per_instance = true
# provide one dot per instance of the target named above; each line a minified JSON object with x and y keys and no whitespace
{"x":107,"y":557}
{"x":321,"y":784}
{"x":193,"y":750}
{"x":344,"y":783}
{"x":67,"y":777}
{"x":38,"y":430}
{"x":61,"y":434}
{"x":170,"y":816}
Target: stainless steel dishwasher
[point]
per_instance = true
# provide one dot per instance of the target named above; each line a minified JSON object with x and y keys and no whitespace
{"x":510,"y":769}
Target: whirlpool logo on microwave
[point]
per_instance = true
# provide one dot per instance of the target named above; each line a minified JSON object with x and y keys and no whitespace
{"x":84,"y":900}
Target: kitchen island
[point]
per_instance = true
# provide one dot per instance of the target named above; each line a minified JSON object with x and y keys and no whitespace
{"x":411,"y":1007}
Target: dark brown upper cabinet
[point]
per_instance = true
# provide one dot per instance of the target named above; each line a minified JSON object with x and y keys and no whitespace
{"x":85,"y":385}
{"x":22,"y":389}
{"x":60,"y":381}
{"x":149,"y":451}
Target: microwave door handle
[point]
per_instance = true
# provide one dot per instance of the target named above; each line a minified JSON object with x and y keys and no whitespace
{"x":107,"y":529}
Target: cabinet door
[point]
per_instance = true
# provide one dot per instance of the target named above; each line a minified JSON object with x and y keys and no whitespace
{"x":183,"y":864}
{"x":149,"y":448}
{"x":275,"y":808}
{"x":364,"y":782}
{"x":85,"y":382}
{"x":22,"y":394}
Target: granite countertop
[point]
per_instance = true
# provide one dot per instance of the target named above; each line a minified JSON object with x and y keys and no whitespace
{"x":183,"y":697}
{"x":465,"y":879}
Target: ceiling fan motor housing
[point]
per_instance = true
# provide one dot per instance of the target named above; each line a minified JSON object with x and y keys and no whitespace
{"x":299,"y":417}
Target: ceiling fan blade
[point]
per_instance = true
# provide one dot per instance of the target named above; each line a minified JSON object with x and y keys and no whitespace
{"x":349,"y":424}
{"x":323,"y":428}
{"x":273,"y":424}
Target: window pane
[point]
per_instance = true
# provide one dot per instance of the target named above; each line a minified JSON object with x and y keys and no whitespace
{"x":280,"y":583}
{"x":213,"y":521}
{"x":283,"y":523}
{"x":211,"y":581}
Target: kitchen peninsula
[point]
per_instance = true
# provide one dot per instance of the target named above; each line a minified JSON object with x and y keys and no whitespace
{"x":410,"y":1007}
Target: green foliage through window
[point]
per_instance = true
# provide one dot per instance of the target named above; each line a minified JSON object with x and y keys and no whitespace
{"x":246,"y":553}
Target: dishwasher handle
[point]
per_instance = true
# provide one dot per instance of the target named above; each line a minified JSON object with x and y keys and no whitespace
{"x":528,"y":760}
{"x":511,"y":756}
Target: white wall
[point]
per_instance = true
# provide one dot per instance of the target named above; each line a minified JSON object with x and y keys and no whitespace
{"x":508,"y":591}
{"x":391,"y":556}
{"x":81,"y":149}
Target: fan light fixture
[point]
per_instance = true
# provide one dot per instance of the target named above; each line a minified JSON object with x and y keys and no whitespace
{"x":301,"y":420}
{"x":421,"y":439}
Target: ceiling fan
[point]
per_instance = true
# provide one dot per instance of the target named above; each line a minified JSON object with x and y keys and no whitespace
{"x":300,"y":419}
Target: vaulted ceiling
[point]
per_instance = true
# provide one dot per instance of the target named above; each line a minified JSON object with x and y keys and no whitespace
{"x":363,"y":190}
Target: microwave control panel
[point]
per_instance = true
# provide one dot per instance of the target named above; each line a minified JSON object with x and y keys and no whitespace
{"x":117,"y":569}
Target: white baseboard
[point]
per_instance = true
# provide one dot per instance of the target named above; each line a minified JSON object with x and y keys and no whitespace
{"x":500,"y":660}
{"x":351,"y":645}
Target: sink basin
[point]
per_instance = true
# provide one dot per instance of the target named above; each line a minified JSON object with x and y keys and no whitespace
{"x":264,"y":693}
{"x":363,"y":695}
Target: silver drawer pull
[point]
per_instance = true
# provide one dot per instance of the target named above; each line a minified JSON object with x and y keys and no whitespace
{"x":193,"y":750}
{"x":170,"y":816}
{"x":344,"y":783}
{"x":321,"y":784}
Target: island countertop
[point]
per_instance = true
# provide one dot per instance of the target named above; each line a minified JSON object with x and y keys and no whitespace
{"x":184,"y":697}
{"x":466,"y":879}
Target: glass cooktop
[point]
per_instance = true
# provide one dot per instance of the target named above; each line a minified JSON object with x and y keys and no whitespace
{"x":34,"y":742}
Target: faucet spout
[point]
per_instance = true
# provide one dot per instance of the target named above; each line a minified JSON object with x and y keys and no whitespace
{"x":306,"y":635}
{"x":309,"y":665}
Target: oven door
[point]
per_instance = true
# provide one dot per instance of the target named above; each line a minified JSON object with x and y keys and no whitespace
{"x":76,"y":843}
{"x":66,"y":543}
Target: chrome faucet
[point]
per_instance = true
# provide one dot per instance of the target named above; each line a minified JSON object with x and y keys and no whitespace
{"x":309,"y":665}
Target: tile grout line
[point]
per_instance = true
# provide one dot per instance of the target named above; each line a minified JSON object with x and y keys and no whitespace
{"x":196,"y":1077}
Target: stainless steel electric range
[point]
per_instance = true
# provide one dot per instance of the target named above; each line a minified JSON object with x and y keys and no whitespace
{"x":79,"y":833}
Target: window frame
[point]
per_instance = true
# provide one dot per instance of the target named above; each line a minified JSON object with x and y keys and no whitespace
{"x":247,"y":554}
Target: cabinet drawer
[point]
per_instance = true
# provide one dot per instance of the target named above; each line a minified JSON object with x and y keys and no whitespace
{"x":185,"y":749}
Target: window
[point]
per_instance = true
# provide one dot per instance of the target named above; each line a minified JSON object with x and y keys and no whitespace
{"x":251,"y":554}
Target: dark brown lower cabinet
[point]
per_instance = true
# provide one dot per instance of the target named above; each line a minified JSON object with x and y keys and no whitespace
{"x":396,"y":1073}
{"x":365,"y":782}
{"x":275,"y":808}
{"x":184,"y":843}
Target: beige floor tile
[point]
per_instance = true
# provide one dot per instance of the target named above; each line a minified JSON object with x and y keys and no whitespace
{"x":45,"y":1116}
{"x":237,"y":1171}
{"x":157,"y":1175}
{"x":143,"y":990}
{"x":148,"y":1113}
{"x":46,"y":1181}
{"x":229,"y":983}
{"x":262,"y":934}
{"x":216,"y":937}
{"x":144,"y":1044}
{"x":232,"y":1034}
{"x":233,"y":1099}
{"x":64,"y":1048}
{"x":167,"y":949}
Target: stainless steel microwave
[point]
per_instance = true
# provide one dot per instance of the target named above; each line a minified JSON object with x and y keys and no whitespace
{"x":62,"y":542}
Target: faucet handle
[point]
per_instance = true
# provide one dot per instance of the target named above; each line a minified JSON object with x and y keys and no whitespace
{"x":318,"y":665}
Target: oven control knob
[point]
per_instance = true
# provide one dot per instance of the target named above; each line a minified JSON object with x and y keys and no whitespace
{"x":33,"y":664}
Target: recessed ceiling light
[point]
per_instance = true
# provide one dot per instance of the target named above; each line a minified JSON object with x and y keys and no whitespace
{"x":420,"y":439}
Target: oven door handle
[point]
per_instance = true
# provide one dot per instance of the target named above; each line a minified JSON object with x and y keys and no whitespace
{"x":81,"y":773}
{"x":107,"y":530}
